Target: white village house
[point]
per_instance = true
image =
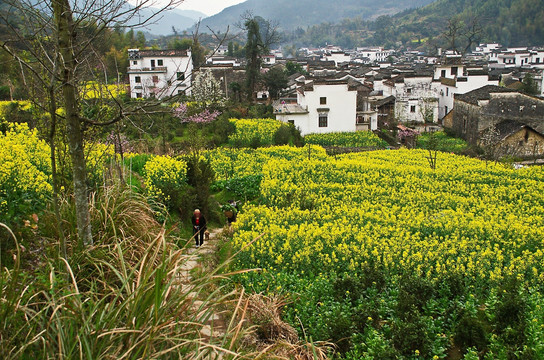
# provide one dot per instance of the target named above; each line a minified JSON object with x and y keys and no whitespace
{"x":321,"y":107}
{"x":159,"y":73}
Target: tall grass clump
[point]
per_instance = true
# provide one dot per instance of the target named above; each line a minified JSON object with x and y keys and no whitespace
{"x":126,"y":297}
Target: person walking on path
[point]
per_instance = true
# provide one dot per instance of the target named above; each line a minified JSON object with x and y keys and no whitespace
{"x":199,"y":227}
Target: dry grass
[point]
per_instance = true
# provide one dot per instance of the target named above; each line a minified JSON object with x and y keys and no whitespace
{"x":272,"y":337}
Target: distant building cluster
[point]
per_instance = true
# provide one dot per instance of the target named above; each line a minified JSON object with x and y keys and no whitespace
{"x":375,"y":88}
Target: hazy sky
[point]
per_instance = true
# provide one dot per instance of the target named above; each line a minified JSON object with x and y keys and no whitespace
{"x":208,"y":7}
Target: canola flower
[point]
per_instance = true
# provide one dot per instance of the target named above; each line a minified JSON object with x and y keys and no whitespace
{"x":93,"y":90}
{"x":391,"y":208}
{"x":230,"y":162}
{"x":25,"y":172}
{"x":249,"y":129}
{"x":321,"y":219}
{"x":363,"y":139}
{"x":164,"y":177}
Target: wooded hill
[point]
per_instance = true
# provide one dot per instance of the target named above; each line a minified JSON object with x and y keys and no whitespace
{"x":302,"y":13}
{"x":510,"y":22}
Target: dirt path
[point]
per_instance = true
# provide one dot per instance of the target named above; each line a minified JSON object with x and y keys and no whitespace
{"x":214,"y":327}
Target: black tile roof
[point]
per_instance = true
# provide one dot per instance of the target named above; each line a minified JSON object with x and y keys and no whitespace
{"x":483,"y":93}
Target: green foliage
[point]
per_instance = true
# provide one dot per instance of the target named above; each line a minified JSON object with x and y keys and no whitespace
{"x":200,"y":176}
{"x":411,"y":337}
{"x":221,"y":129}
{"x":282,"y":136}
{"x":245,"y":188}
{"x":180,"y":44}
{"x":136,"y":162}
{"x":529,"y":85}
{"x":471,"y":332}
{"x":5,"y":93}
{"x":275,"y":80}
{"x":293,"y":68}
{"x":360,"y":139}
{"x":442,"y":142}
{"x":18,"y":112}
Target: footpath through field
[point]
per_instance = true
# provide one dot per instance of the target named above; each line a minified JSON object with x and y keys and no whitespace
{"x":215,"y":326}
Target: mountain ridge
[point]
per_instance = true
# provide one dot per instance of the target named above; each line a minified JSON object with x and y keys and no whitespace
{"x":302,"y":13}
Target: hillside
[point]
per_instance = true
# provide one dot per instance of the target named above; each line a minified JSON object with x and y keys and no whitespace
{"x":510,"y":22}
{"x":294,"y":14}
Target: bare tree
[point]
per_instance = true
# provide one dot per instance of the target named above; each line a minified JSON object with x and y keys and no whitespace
{"x":487,"y":142}
{"x":453,"y":33}
{"x":58,"y":36}
{"x":472,"y":33}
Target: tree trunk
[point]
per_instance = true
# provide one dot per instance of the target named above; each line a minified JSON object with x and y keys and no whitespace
{"x":54,"y":175}
{"x":65,"y":32}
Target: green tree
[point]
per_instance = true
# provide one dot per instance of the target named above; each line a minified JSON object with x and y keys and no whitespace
{"x":230,"y":49}
{"x":254,"y":50}
{"x":180,"y":44}
{"x":529,"y":85}
{"x":275,"y":80}
{"x":293,"y":68}
{"x":261,"y":34}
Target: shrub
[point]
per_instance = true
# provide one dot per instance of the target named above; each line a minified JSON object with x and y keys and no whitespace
{"x":442,"y":142}
{"x":411,"y":337}
{"x":222,"y":128}
{"x":247,"y":187}
{"x":469,"y":332}
{"x":165,"y":180}
{"x":414,"y":293}
{"x":200,"y":176}
{"x":282,"y":136}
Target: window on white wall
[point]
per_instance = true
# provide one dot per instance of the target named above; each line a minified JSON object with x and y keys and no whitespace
{"x":160,"y":62}
{"x":137,"y":79}
{"x":412,"y":108}
{"x":323,"y":120}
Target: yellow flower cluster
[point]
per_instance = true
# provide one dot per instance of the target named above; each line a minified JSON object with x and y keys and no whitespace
{"x":164,"y":178}
{"x":230,"y":162}
{"x":25,"y":171}
{"x":23,"y":105}
{"x":93,"y":90}
{"x":248,"y":130}
{"x":483,"y":221}
{"x":366,"y":139}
